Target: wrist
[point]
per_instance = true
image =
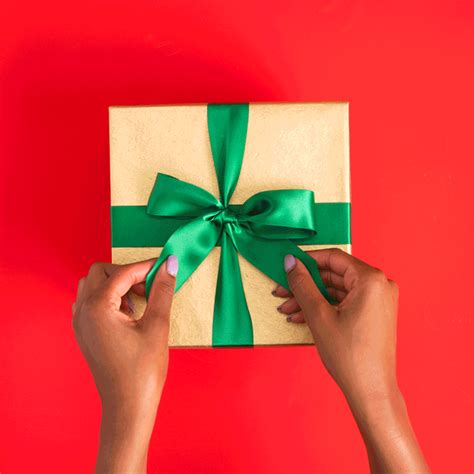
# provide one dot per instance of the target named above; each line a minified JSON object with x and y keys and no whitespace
{"x":383,"y":421}
{"x":125,"y":433}
{"x":374,"y":407}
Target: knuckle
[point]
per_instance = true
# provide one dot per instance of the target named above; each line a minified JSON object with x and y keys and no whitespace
{"x":119,"y":270}
{"x":377,"y":276}
{"x":336,"y":251}
{"x":95,"y":268}
{"x":376,"y":280}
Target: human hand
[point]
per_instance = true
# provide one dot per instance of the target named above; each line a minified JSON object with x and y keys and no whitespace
{"x":128,"y":358}
{"x":356,"y":340}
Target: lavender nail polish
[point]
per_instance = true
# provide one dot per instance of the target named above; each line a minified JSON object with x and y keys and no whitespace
{"x":172,"y":265}
{"x":290,"y":263}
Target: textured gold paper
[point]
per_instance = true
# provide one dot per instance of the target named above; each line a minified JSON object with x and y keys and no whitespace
{"x":288,"y":146}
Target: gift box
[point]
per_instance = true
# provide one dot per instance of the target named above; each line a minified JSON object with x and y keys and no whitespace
{"x":229,"y":189}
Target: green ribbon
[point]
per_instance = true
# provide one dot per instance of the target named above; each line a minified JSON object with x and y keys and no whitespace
{"x":132,"y":226}
{"x":263,"y":230}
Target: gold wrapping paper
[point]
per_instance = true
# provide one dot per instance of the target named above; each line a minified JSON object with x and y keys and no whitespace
{"x":303,"y":145}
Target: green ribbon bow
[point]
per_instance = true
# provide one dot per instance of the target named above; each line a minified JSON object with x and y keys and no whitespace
{"x":262,"y":230}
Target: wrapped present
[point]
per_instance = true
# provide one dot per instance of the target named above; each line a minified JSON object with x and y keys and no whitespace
{"x":230,"y":190}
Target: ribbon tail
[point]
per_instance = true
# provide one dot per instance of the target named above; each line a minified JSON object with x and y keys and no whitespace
{"x":268,"y":258}
{"x":232,"y":324}
{"x":191,"y":244}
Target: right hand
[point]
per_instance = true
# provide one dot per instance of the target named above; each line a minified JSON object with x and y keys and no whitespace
{"x":356,"y":339}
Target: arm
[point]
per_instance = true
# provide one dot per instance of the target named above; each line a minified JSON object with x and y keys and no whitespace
{"x":356,"y":340}
{"x":127,"y":357}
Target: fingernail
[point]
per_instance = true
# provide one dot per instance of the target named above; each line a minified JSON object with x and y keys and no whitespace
{"x":279,"y":308}
{"x":172,"y":265}
{"x":289,"y":319}
{"x":290,"y":263}
{"x":274,"y":291}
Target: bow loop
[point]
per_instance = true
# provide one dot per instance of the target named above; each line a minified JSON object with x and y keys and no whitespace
{"x":281,"y":214}
{"x":172,"y":197}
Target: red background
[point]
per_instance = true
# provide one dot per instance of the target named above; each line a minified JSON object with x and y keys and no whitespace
{"x":407,"y":69}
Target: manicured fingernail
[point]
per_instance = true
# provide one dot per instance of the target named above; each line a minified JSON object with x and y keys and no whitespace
{"x":279,"y":308}
{"x":289,"y":319}
{"x":290,"y":263}
{"x":172,"y":265}
{"x":274,"y":291}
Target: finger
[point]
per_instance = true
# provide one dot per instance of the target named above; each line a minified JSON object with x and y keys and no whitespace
{"x":79,"y":295}
{"x":342,"y":264}
{"x":281,"y":292}
{"x":123,"y":277}
{"x":338,"y":295}
{"x":297,"y":317}
{"x":139,"y":289}
{"x":80,"y":288}
{"x":111,"y":268}
{"x":334,"y":260}
{"x":97,"y":275}
{"x":157,"y":314}
{"x":289,"y":306}
{"x":310,"y":299}
{"x":333,"y":280}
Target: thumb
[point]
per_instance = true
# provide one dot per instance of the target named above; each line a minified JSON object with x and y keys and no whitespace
{"x":307,"y":294}
{"x":157,"y":312}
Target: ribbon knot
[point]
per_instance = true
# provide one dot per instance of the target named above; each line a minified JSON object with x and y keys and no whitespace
{"x":225,"y":216}
{"x":262,"y":230}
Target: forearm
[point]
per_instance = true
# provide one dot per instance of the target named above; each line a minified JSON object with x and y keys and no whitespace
{"x":124,"y":439}
{"x":389,"y":438}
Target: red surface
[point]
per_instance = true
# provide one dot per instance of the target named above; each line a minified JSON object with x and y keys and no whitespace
{"x":407,"y":70}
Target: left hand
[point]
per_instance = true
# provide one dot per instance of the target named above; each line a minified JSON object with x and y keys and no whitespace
{"x":128,"y":358}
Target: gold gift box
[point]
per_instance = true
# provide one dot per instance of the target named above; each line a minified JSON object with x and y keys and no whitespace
{"x":289,"y":146}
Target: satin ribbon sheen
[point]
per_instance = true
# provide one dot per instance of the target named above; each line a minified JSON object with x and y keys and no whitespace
{"x":262,"y":230}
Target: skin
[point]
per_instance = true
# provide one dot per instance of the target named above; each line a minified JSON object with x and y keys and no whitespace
{"x":128,"y":358}
{"x":356,"y":340}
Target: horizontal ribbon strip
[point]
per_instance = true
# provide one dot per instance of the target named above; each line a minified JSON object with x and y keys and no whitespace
{"x":133,"y":227}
